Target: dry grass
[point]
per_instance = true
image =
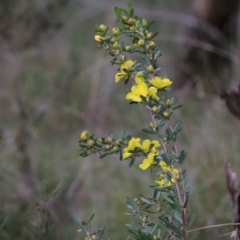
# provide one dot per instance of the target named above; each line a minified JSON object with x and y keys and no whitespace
{"x":51,"y":92}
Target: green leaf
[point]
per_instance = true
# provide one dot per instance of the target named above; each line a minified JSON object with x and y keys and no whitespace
{"x":121,"y":155}
{"x":148,"y":130}
{"x":133,"y":204}
{"x":131,"y":162}
{"x":158,"y":53}
{"x":131,"y":9}
{"x":153,"y":36}
{"x":76,"y":219}
{"x":153,"y":229}
{"x":169,"y":200}
{"x":177,"y":128}
{"x":156,"y":194}
{"x":118,"y":11}
{"x":176,"y":107}
{"x":182,"y":156}
{"x":146,"y":200}
{"x":137,"y":65}
{"x":103,"y":155}
{"x":166,"y":159}
{"x":101,"y":233}
{"x":122,"y":135}
{"x":191,"y":220}
{"x":121,"y":46}
{"x":178,"y":216}
{"x":90,"y":219}
{"x":186,"y":201}
{"x":108,"y":153}
{"x":190,"y":190}
{"x":129,"y":214}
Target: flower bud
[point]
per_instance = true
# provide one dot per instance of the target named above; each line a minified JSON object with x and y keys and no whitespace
{"x":140,"y":42}
{"x":168,"y":103}
{"x":94,"y":237}
{"x":116,"y":52}
{"x":131,"y":21}
{"x":116,"y":31}
{"x":144,"y":219}
{"x":165,"y":114}
{"x":84,"y":135}
{"x":127,"y":48}
{"x":124,"y":18}
{"x":144,"y":22}
{"x":152,"y":45}
{"x":159,"y":209}
{"x":150,"y":68}
{"x":132,"y":28}
{"x":138,"y":202}
{"x":82,"y":222}
{"x":90,"y":143}
{"x":115,"y":45}
{"x":154,"y":109}
{"x":148,"y":35}
{"x":108,"y":147}
{"x":150,"y":197}
{"x":102,"y":28}
{"x":155,"y":237}
{"x":98,"y":38}
{"x":122,"y":58}
{"x":113,"y":39}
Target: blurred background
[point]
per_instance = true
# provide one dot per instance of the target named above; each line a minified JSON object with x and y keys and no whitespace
{"x":55,"y":83}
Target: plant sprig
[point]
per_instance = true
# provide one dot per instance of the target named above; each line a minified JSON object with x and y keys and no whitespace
{"x":167,"y":204}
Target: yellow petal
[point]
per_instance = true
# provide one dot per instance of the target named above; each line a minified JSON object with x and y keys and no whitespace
{"x":145,"y":164}
{"x":128,"y":64}
{"x":126,"y":153}
{"x":145,"y":145}
{"x":156,"y":143}
{"x":133,"y":97}
{"x":139,"y":79}
{"x":160,"y":83}
{"x":152,"y":91}
{"x":161,"y":183}
{"x":120,"y":75}
{"x":164,"y":167}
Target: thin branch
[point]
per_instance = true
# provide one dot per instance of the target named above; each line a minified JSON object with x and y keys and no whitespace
{"x":214,"y":226}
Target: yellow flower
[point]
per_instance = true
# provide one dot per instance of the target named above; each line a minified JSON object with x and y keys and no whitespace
{"x":126,"y":153}
{"x":152,"y":92}
{"x":160,"y":83}
{"x":98,"y":38}
{"x":146,"y":145}
{"x":132,"y":145}
{"x":123,"y":75}
{"x":137,"y":91}
{"x":162,"y":181}
{"x":166,"y":168}
{"x":139,"y":78}
{"x":147,"y":162}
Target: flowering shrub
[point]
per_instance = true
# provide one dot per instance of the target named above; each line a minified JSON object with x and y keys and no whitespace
{"x":163,"y":213}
